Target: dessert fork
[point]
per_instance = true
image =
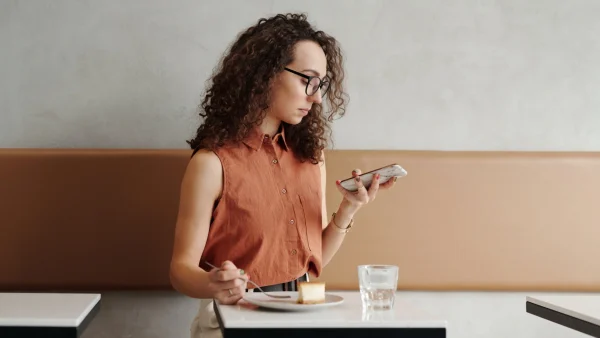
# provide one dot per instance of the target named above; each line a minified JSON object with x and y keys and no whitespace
{"x":258,"y":287}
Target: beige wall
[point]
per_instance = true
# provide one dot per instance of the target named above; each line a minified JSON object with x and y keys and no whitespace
{"x":458,"y":221}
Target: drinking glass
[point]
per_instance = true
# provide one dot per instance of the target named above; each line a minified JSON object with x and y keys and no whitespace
{"x":378,"y":285}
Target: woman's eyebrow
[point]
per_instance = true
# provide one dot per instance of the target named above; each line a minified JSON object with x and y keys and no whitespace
{"x":313,"y":71}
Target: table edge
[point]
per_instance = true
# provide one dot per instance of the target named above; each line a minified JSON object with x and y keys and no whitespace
{"x":560,"y":309}
{"x":60,"y":323}
{"x":86,"y":312}
{"x":430,"y":324}
{"x":81,"y":327}
{"x":52,"y":330}
{"x":563,"y":319}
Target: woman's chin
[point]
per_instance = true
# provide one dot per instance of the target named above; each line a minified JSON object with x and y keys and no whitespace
{"x":294,"y":120}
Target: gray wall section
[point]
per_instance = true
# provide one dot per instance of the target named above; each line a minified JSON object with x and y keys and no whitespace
{"x":475,"y":75}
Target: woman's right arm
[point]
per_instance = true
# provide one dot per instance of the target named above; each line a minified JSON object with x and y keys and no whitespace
{"x":201,"y":186}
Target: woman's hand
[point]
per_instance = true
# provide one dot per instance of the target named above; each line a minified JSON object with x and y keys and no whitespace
{"x":353,"y":201}
{"x":228,"y":284}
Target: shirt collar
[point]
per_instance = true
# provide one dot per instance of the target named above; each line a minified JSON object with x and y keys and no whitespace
{"x":255,"y":138}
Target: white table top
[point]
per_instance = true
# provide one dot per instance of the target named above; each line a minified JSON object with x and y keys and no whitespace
{"x":406,"y":314}
{"x":584,"y":307}
{"x":45,"y":309}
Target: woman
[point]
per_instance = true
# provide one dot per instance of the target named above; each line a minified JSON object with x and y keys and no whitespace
{"x":253,"y":195}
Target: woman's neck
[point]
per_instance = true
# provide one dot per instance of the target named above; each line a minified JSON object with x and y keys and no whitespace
{"x":270,"y":126}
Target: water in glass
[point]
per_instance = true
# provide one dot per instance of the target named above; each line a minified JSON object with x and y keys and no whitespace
{"x":378,"y":285}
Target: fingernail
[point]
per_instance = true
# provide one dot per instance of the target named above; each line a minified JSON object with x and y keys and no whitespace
{"x":242,"y":271}
{"x":357,"y":178}
{"x":377,"y":176}
{"x":338,"y":182}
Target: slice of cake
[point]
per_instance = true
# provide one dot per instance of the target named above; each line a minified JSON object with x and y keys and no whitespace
{"x":311,"y":293}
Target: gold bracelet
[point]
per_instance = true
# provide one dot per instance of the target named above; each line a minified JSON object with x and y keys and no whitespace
{"x":340,"y":229}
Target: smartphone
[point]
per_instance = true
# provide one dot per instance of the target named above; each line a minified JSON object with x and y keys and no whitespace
{"x":386,"y":173}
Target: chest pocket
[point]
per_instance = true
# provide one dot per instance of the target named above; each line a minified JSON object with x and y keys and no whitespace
{"x":311,"y":229}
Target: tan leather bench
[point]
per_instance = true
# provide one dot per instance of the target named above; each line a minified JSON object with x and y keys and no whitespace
{"x":103,"y":219}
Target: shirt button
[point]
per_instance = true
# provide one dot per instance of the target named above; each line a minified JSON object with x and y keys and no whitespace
{"x":283,"y":191}
{"x":294,"y":252}
{"x":275,"y":161}
{"x":292,"y":221}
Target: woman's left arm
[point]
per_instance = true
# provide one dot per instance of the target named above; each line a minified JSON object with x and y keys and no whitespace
{"x":335,"y":230}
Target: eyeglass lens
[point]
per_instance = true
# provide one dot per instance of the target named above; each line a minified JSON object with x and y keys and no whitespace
{"x":313,"y":85}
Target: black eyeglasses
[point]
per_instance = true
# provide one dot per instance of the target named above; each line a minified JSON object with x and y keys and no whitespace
{"x":313,"y":83}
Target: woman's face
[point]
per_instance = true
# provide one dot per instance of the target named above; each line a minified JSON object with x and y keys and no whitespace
{"x":289,"y":101}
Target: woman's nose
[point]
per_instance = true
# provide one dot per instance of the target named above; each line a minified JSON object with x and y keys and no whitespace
{"x":316,"y":97}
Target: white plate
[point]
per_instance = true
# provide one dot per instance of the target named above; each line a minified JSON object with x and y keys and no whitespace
{"x":290,"y":304}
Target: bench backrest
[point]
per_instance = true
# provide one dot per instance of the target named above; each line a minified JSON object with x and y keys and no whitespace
{"x":100,"y":219}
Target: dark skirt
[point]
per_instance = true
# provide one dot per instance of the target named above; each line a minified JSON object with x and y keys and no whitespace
{"x":289,"y":286}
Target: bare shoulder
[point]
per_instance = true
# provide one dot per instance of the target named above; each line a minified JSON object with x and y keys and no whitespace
{"x":200,"y":187}
{"x":204,"y":171}
{"x":205,"y":160}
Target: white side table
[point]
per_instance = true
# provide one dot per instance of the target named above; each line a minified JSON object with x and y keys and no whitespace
{"x":345,"y":320}
{"x":577,"y":312}
{"x":56,"y":315}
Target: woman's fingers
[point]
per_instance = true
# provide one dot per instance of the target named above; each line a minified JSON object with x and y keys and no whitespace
{"x":359,"y":183}
{"x":374,"y":187}
{"x":231,"y":295}
{"x":390,"y":183}
{"x":228,"y":283}
{"x":227,"y":272}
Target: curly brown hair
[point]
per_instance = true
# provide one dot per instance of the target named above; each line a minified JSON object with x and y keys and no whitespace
{"x":236,"y":100}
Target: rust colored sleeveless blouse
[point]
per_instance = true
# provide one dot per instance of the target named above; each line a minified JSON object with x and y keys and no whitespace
{"x":268,"y":219}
